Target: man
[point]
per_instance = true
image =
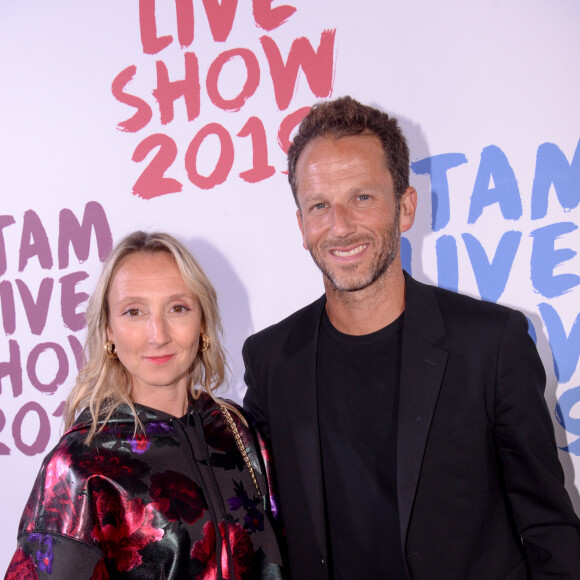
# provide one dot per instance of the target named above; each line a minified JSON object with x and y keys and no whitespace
{"x":409,"y":430}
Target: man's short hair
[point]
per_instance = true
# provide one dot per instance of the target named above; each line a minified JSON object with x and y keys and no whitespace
{"x":343,"y":117}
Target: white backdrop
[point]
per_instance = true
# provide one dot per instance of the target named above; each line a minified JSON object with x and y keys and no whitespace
{"x":124,"y":114}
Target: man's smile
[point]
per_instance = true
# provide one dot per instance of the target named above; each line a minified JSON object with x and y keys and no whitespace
{"x":348,"y":253}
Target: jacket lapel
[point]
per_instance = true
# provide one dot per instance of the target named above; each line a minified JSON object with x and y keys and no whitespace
{"x":301,"y":404}
{"x":422,"y":369}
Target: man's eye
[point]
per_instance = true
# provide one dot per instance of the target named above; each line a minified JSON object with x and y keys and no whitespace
{"x":364,"y":197}
{"x":320,"y":205}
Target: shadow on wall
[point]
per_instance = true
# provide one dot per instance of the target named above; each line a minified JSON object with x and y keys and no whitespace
{"x":543,"y":346}
{"x":415,"y":237}
{"x":234,"y":309}
{"x":411,"y":252}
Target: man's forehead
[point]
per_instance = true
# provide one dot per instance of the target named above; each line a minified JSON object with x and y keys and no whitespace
{"x":328,"y":156}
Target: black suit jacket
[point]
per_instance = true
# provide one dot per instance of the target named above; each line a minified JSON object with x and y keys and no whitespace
{"x":480,"y":487}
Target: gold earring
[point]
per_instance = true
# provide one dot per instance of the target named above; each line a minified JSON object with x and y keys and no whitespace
{"x":110,"y":350}
{"x":205,"y":342}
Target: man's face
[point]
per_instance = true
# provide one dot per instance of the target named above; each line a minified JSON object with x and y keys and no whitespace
{"x":348,"y":216}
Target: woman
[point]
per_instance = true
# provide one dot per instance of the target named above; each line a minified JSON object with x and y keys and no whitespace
{"x":157,"y":477}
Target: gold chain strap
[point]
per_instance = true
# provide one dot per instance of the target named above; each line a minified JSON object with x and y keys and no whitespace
{"x":226,"y":413}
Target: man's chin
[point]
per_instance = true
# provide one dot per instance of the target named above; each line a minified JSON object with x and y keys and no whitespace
{"x":347,"y":278}
{"x":355,"y":282}
{"x":345,"y":284}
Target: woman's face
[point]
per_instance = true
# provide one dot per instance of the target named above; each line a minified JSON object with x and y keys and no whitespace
{"x":155,"y":323}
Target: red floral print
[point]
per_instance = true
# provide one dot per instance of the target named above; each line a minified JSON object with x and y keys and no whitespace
{"x":139,"y":443}
{"x":60,"y":506}
{"x":241,"y":545}
{"x":100,"y":572}
{"x":114,"y":465}
{"x":117,"y":496}
{"x":177,"y":496}
{"x":124,"y":528}
{"x":21,"y":568}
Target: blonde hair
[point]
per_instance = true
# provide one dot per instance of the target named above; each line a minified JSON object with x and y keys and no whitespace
{"x":103,"y":383}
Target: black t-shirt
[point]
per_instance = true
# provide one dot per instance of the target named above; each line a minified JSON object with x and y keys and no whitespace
{"x":358,"y":386}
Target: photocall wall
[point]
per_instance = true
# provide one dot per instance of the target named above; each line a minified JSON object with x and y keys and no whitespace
{"x":175,"y":115}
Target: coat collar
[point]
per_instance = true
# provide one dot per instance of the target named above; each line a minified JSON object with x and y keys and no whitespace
{"x":123,"y":415}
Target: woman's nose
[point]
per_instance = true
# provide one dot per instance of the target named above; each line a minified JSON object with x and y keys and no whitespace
{"x":158,"y":331}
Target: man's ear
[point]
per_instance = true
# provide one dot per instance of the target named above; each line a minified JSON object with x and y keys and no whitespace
{"x":407,"y":209}
{"x":301,"y":226}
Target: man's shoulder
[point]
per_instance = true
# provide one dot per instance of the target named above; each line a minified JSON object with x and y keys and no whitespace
{"x":306,"y":317}
{"x":462,"y":308}
{"x":445,"y":296}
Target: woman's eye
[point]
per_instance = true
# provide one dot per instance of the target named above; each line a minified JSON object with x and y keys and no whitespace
{"x":180,"y":308}
{"x":132,"y":312}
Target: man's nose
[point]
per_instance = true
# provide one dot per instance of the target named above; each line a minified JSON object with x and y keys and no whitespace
{"x":343,"y":223}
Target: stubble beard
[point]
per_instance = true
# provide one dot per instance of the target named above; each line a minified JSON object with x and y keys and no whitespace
{"x":346,"y":279}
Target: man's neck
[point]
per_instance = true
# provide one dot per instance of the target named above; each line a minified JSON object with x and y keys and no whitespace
{"x":370,"y":309}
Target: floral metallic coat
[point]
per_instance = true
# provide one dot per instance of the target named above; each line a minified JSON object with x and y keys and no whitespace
{"x":174,"y":501}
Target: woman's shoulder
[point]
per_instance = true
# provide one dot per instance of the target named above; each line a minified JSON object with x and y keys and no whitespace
{"x":221,"y":408}
{"x":74,"y":474}
{"x":59,"y":519}
{"x":62,"y":457}
{"x":204,"y":404}
{"x":72,"y":461}
{"x":56,"y":488}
